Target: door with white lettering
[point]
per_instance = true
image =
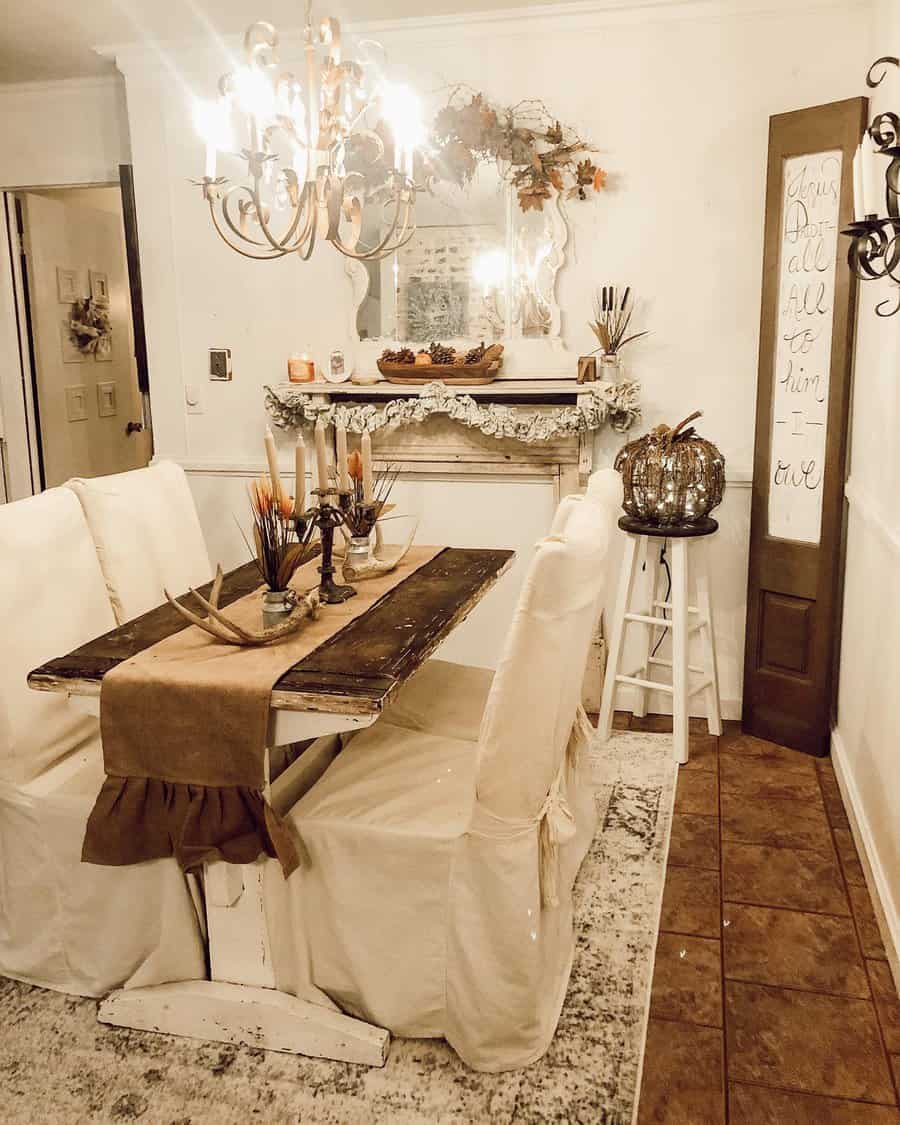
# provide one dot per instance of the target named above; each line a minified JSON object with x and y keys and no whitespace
{"x":803,"y":399}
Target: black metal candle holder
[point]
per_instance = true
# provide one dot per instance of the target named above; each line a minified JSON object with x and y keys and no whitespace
{"x":327,"y":517}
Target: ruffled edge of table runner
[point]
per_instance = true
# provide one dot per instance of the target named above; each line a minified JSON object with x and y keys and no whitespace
{"x":193,"y":823}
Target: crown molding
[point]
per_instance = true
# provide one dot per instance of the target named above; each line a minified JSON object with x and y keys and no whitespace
{"x":510,"y":23}
{"x":58,"y":86}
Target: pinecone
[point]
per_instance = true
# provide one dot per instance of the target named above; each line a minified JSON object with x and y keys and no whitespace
{"x":403,"y":355}
{"x":440,"y":353}
{"x":476,"y":354}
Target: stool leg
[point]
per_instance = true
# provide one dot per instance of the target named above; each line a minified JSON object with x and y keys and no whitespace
{"x":648,"y":555}
{"x":680,"y":649}
{"x":709,"y":663}
{"x":617,"y":637}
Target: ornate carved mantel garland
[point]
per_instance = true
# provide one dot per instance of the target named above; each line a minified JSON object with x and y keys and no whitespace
{"x":615,"y":403}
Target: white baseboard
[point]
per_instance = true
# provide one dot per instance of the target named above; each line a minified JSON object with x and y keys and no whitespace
{"x":873,"y":864}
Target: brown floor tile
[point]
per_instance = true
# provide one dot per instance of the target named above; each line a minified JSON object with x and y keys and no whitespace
{"x":746,"y":746}
{"x":703,"y":753}
{"x":697,"y":793}
{"x":802,"y":1041}
{"x":781,"y":824}
{"x":652,"y":724}
{"x":866,"y":923}
{"x":691,"y":903}
{"x":762,"y":779}
{"x":834,"y":808}
{"x":886,"y":1003}
{"x":755,"y":1105}
{"x":895,"y":1067}
{"x":796,"y":880}
{"x":793,"y":950}
{"x":687,"y":980}
{"x":695,"y":841}
{"x":682,"y":1081}
{"x":828,"y":781}
{"x":849,"y":857}
{"x":621,"y":720}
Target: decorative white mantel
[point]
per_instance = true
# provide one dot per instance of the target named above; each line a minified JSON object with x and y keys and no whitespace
{"x":509,"y":427}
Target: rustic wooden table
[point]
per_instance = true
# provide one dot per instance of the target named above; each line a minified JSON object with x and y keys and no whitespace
{"x":340,"y":687}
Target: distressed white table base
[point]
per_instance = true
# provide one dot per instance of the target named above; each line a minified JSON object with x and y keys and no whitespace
{"x":257,"y":1017}
{"x":681,"y":620}
{"x":241,"y":1004}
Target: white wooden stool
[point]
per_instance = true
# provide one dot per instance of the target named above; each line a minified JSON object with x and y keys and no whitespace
{"x":676,"y":615}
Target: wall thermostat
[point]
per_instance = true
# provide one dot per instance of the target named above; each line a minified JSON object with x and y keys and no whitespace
{"x":220,"y":365}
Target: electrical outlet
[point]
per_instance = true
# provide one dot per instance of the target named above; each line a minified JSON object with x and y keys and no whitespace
{"x":220,"y":365}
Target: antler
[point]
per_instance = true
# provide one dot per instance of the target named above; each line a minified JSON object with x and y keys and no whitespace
{"x":378,"y":566}
{"x":228,"y":631}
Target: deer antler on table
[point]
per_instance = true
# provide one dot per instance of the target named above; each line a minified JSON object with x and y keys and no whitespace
{"x":228,"y":631}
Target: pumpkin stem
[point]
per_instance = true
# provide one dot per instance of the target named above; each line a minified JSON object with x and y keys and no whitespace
{"x":674,"y":433}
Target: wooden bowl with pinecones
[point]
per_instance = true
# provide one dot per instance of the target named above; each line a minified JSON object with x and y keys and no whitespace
{"x":440,"y":363}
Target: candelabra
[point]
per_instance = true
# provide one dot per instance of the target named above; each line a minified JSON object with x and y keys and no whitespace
{"x":327,"y":517}
{"x":875,"y":240}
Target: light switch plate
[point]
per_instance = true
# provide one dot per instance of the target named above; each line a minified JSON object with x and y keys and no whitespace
{"x":106,"y":400}
{"x":220,"y":365}
{"x":76,"y":402}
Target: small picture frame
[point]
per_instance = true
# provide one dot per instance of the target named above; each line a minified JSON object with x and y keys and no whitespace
{"x":99,"y":286}
{"x":66,"y":286}
{"x":70,"y":351}
{"x":587,"y":369}
{"x":106,"y":400}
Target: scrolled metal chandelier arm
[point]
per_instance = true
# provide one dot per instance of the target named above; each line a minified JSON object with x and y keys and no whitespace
{"x":874,"y":251}
{"x":297,"y":188}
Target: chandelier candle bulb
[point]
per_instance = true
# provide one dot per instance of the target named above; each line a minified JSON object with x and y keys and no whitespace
{"x":299,"y":477}
{"x":272,"y":458}
{"x":368,"y":484}
{"x":340,"y":443}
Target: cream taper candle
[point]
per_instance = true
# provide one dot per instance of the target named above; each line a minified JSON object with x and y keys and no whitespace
{"x":299,"y":477}
{"x":368,"y":483}
{"x":272,"y":458}
{"x":321,"y":457}
{"x":340,"y":444}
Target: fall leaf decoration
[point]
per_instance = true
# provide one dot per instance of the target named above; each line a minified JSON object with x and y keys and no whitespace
{"x":531,"y":149}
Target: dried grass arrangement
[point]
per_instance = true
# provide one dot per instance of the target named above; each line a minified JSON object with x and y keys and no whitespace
{"x":612,"y":316}
{"x":361,"y":515}
{"x":282,"y":542}
{"x":671,"y":476}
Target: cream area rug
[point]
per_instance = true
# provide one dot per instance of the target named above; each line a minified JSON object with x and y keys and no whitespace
{"x":58,"y":1065}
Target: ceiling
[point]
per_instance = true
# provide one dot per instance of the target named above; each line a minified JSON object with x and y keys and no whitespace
{"x":50,"y":39}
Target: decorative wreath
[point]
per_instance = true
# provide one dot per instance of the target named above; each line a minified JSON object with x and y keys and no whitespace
{"x":90,"y":325}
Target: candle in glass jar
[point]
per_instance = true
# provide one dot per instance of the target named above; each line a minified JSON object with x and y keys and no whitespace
{"x":340,"y":444}
{"x":299,"y":477}
{"x":301,"y":369}
{"x":321,"y":458}
{"x":368,"y":484}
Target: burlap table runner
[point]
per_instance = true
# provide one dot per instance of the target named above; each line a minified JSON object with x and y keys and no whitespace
{"x":184,"y":727}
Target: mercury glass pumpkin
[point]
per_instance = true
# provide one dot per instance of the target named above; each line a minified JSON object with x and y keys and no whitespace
{"x":671,"y":476}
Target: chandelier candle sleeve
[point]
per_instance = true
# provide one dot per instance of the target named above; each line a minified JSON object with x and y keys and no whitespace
{"x":299,"y":477}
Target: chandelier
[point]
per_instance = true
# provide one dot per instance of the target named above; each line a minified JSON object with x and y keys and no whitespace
{"x":296,"y":138}
{"x":875,"y":232}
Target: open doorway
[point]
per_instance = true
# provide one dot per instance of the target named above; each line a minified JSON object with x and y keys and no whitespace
{"x":78,"y":403}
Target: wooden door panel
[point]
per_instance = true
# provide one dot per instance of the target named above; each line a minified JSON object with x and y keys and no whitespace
{"x":803,"y":398}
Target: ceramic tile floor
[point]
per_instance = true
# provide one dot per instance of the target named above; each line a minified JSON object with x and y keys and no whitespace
{"x":773,"y":1002}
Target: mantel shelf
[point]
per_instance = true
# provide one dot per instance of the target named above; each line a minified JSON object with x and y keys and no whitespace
{"x":519,"y":390}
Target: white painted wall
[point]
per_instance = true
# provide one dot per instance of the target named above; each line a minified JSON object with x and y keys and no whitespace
{"x":68,"y":132}
{"x":866,"y":739}
{"x":676,"y":99}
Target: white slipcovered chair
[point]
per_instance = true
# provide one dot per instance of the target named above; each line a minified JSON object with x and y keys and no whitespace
{"x":436,"y":896}
{"x":447,"y":698}
{"x":147,"y":535}
{"x":64,"y":924}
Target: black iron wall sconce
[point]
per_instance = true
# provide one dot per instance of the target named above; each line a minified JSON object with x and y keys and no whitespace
{"x":875,"y":246}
